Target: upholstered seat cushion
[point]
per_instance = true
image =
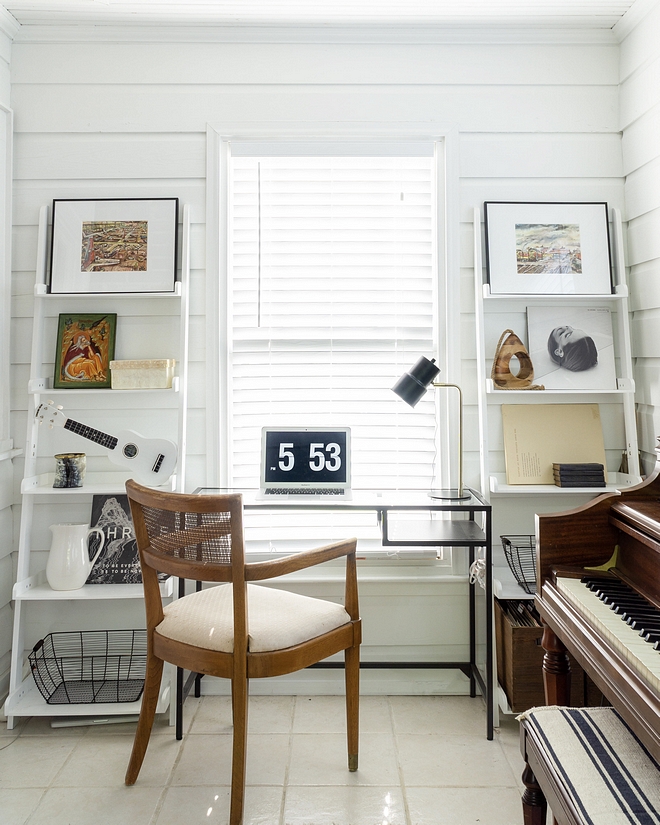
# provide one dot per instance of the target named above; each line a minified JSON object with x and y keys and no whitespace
{"x":276,"y":618}
{"x":603,"y":768}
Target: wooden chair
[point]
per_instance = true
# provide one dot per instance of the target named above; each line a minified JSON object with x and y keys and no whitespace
{"x":237,"y":630}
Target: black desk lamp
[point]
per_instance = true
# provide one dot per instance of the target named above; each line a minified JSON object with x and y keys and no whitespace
{"x":411,"y":387}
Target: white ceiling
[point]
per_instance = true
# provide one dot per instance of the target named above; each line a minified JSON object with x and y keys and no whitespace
{"x":574,"y":13}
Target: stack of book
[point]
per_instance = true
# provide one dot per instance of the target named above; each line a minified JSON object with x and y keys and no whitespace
{"x":579,"y":475}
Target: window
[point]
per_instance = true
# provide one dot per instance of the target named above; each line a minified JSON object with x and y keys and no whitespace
{"x":332,"y":294}
{"x":332,"y":282}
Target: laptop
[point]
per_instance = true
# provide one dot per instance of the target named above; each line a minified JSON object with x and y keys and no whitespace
{"x":306,"y":462}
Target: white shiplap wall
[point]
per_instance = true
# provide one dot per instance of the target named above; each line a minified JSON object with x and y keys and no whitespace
{"x":640,"y":124}
{"x":7,"y":29}
{"x":124,"y":114}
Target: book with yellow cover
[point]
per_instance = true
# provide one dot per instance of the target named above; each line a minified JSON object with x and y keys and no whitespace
{"x":538,"y":435}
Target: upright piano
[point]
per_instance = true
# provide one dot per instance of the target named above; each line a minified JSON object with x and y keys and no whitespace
{"x":598,"y":593}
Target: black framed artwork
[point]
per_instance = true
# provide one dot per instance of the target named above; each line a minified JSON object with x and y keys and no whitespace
{"x":114,"y":246}
{"x":547,"y":248}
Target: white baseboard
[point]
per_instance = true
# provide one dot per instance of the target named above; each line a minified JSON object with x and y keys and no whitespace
{"x":376,"y":682}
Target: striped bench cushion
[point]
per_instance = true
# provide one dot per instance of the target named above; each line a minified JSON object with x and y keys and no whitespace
{"x":606,"y":771}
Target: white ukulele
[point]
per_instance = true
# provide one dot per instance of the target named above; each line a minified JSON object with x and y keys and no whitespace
{"x":150,"y":460}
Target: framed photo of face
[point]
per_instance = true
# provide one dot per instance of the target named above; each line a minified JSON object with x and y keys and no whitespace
{"x":114,"y":245}
{"x":572,"y":346}
{"x":85,"y":347}
{"x":548,"y":248}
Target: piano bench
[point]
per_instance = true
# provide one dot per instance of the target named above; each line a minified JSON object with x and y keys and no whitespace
{"x":589,"y":767}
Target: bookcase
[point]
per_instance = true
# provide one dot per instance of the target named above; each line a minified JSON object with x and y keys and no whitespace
{"x":515,"y":505}
{"x":497,"y":312}
{"x":39,"y":610}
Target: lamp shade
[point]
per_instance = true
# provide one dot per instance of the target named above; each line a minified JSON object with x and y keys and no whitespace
{"x":413,"y":384}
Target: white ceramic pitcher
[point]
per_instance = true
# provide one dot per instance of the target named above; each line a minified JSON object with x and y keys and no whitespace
{"x":68,"y":563}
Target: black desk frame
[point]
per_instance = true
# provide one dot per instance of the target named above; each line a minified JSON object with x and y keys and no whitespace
{"x":464,"y":532}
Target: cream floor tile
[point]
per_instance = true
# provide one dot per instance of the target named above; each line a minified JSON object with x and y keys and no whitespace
{"x":17,"y":805}
{"x":100,"y":806}
{"x":33,"y":762}
{"x":438,"y":714}
{"x":266,"y":714}
{"x":327,"y":714}
{"x":321,"y":759}
{"x":344,"y":805}
{"x":101,"y":761}
{"x":206,"y":760}
{"x":19,"y":725}
{"x":161,"y":726}
{"x":210,"y":806}
{"x":464,"y":806}
{"x":459,"y":761}
{"x":508,"y":735}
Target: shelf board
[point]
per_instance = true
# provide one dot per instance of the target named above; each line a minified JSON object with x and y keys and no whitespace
{"x":36,"y":588}
{"x":41,"y":291}
{"x":531,"y":299}
{"x":27,"y":701}
{"x":506,"y":587}
{"x":95,"y":483}
{"x":433,"y":533}
{"x":40,"y":386}
{"x":616,"y":481}
{"x":551,"y":396}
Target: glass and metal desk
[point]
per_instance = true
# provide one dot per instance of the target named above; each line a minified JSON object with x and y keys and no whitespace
{"x":450,"y":523}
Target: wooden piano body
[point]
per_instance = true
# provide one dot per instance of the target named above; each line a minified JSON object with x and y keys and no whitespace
{"x":619,"y":529}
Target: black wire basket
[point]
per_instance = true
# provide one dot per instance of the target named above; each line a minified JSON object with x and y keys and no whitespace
{"x":90,"y":666}
{"x":520,"y":552}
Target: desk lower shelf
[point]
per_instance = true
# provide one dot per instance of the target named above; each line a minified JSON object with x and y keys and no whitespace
{"x":432,"y":533}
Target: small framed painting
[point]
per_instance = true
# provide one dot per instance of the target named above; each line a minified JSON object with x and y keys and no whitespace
{"x":548,"y":248}
{"x":85,"y":347}
{"x":114,"y":245}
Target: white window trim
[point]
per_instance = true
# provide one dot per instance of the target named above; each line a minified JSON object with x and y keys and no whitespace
{"x":218,"y":136}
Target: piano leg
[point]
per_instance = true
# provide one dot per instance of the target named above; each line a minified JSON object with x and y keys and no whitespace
{"x":535,"y":807}
{"x":556,"y":669}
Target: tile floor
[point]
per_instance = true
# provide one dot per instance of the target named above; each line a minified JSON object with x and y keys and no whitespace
{"x":423,"y":761}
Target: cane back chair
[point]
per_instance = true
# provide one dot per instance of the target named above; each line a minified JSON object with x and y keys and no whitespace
{"x":237,"y":630}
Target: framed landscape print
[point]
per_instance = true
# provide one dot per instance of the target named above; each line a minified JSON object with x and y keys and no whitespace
{"x":571,"y":347}
{"x":548,"y":248}
{"x":114,"y":245}
{"x":85,"y":347}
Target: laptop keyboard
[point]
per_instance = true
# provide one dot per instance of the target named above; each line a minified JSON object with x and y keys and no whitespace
{"x":306,"y":491}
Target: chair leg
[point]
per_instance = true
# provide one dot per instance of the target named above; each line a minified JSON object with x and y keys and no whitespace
{"x":153,"y":677}
{"x":352,"y":673}
{"x":239,"y":707}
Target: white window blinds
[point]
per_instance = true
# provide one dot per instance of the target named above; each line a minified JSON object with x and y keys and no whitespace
{"x":332,"y":267}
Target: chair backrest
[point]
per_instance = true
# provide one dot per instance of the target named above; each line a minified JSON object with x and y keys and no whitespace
{"x":191,"y":536}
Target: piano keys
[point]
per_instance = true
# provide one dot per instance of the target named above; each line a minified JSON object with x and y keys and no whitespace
{"x":613,"y":626}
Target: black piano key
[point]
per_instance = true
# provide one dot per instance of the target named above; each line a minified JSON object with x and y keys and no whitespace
{"x":635,"y":610}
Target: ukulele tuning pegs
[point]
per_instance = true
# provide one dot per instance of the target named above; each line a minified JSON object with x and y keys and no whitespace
{"x":59,"y":407}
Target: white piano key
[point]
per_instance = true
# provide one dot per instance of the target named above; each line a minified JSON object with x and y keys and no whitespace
{"x":638,"y":653}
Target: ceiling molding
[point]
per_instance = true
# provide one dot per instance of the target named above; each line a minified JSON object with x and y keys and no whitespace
{"x":8,"y":23}
{"x":437,"y":33}
{"x":632,"y":18}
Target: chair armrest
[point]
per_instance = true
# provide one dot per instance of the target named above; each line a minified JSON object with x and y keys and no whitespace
{"x":256,"y":571}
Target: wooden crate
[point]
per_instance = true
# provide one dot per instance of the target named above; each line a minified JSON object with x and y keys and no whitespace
{"x":519,"y":667}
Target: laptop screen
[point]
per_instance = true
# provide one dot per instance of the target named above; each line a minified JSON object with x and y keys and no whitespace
{"x":311,"y":457}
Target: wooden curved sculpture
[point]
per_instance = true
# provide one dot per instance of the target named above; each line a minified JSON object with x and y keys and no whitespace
{"x":509,"y":346}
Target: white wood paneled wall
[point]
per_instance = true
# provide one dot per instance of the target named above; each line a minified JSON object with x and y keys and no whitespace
{"x":7,"y":29}
{"x":640,"y":124}
{"x":123,"y":113}
{"x":537,"y":121}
